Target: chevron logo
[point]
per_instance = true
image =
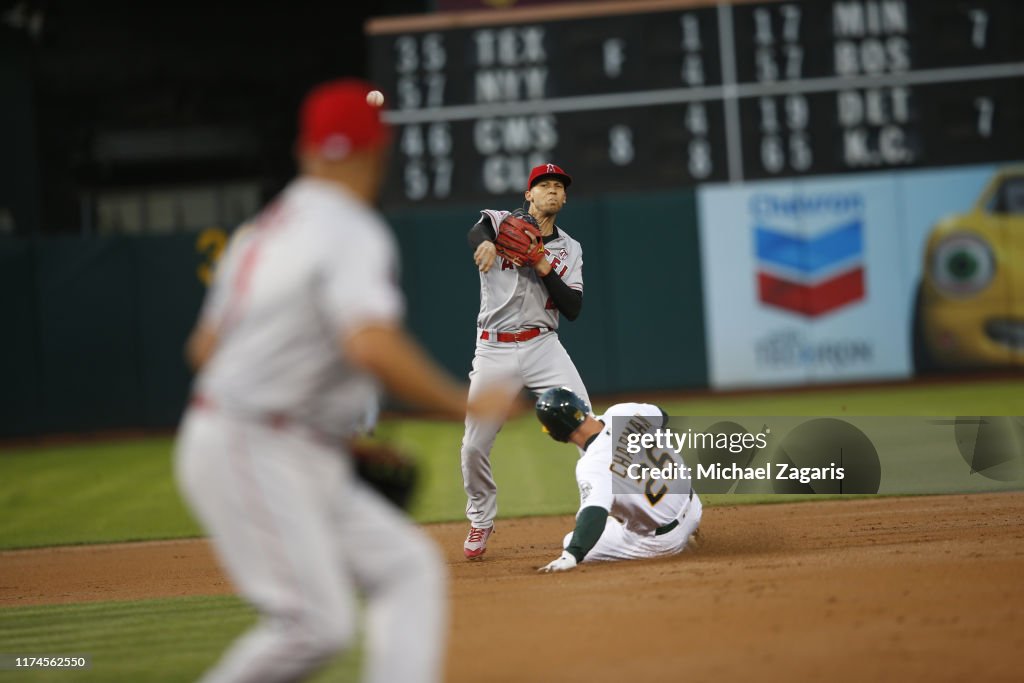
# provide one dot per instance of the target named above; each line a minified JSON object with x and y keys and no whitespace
{"x":810,"y":252}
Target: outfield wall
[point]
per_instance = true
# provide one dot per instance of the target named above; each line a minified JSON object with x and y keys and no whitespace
{"x":94,"y":329}
{"x":95,"y":326}
{"x":760,"y":284}
{"x":642,"y":321}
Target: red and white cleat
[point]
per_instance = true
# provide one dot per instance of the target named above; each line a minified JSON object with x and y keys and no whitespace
{"x":476,"y":542}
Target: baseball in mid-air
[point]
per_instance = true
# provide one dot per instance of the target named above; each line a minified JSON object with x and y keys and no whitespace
{"x":375,"y":98}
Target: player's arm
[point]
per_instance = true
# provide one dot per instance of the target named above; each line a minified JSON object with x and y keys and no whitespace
{"x":590,"y":523}
{"x":567,"y":294}
{"x":203,"y":341}
{"x":596,"y":500}
{"x":568,"y":300}
{"x":387,"y":351}
{"x":482,"y":232}
{"x":371,"y":336}
{"x":200,"y":345}
{"x":481,"y":240}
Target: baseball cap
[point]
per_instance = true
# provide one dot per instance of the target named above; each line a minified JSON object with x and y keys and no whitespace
{"x":336,"y":120}
{"x":545,"y":170}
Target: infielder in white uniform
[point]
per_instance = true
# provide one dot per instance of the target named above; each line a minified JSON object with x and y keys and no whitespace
{"x":620,"y":518}
{"x":516,"y":332}
{"x":303,"y":318}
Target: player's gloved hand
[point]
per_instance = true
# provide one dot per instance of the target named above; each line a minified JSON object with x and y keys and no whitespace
{"x":484,"y":256}
{"x":519,"y":239}
{"x":563,"y":564}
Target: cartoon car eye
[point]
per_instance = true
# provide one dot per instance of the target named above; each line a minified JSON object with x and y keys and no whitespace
{"x":962,"y":265}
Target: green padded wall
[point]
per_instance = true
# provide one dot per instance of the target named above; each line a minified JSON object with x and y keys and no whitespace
{"x":94,"y":327}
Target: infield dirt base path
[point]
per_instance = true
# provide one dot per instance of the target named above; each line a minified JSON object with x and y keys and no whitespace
{"x":928,"y":588}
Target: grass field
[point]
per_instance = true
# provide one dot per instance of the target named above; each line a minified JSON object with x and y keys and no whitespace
{"x":128,"y":641}
{"x":91,"y":493}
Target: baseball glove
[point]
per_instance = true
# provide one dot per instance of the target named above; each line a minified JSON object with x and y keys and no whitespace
{"x":519,"y":239}
{"x":390,"y":473}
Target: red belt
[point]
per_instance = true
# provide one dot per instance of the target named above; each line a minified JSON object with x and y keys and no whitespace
{"x":508,"y":337}
{"x":272,"y":420}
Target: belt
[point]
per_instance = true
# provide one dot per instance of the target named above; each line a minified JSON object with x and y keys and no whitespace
{"x":509,"y":337}
{"x":279,"y":421}
{"x":667,"y":528}
{"x":675,"y":522}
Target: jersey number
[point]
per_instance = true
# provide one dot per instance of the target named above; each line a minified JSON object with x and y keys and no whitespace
{"x":654,"y":497}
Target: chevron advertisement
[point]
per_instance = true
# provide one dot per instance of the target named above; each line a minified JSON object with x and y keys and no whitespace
{"x":809,"y":251}
{"x":814,"y":280}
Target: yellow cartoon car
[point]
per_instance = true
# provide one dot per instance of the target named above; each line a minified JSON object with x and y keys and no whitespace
{"x":970,"y":303}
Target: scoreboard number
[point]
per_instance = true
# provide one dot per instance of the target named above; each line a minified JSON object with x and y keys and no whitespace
{"x":691,"y":92}
{"x":985,"y":111}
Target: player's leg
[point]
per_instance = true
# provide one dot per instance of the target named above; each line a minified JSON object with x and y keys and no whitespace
{"x":547,"y":364}
{"x":619,"y":543}
{"x":675,"y":541}
{"x":616,"y":543}
{"x":691,"y":520}
{"x":404,"y":579}
{"x":491,"y":364}
{"x":265,"y":516}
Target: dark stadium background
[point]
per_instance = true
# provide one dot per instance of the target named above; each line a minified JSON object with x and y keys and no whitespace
{"x":74,"y":76}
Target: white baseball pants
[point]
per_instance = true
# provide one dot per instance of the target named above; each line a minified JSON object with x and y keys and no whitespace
{"x":619,"y":543}
{"x":298,"y":536}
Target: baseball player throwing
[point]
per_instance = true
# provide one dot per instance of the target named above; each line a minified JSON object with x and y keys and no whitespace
{"x":623,"y":519}
{"x":302,"y":320}
{"x":531,"y":271}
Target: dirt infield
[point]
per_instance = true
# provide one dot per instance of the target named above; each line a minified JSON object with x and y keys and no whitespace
{"x":928,"y":588}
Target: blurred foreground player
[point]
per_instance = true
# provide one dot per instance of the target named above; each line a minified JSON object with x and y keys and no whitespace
{"x":303,"y":318}
{"x":623,"y":520}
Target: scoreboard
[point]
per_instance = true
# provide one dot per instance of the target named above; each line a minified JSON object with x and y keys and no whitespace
{"x":667,"y":94}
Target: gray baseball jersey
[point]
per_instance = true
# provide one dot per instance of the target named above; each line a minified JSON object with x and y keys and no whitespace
{"x":279,"y":320}
{"x":513,"y":298}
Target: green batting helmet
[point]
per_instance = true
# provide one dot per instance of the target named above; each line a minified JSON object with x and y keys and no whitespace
{"x":561,"y":411}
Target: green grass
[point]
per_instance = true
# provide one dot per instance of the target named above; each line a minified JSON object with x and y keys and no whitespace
{"x":93,"y":493}
{"x":90,"y":493}
{"x":157,"y":641}
{"x":122,"y":491}
{"x":1004,"y":397}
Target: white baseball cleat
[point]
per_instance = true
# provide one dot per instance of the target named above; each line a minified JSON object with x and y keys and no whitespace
{"x":476,"y":542}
